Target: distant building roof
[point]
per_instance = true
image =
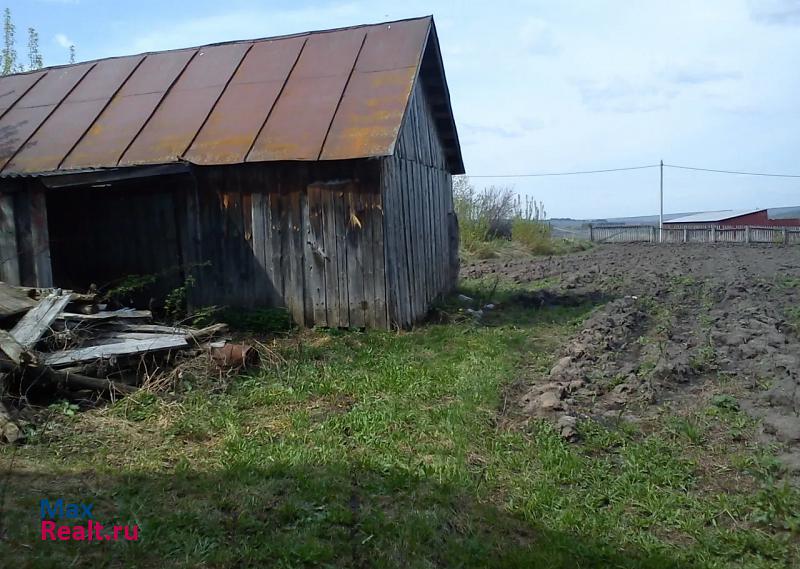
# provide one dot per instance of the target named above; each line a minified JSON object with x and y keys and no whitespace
{"x":714,"y":216}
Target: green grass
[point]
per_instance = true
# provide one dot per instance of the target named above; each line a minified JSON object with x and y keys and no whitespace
{"x":391,"y":450}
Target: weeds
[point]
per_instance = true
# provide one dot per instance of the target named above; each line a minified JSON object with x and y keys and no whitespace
{"x":496,"y":221}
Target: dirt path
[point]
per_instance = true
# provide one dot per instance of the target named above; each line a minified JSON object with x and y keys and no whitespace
{"x":685,"y":324}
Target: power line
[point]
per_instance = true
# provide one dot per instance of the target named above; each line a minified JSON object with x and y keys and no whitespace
{"x":733,"y":172}
{"x":564,"y":173}
{"x":579,"y":172}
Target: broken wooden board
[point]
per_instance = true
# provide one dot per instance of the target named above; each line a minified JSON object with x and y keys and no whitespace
{"x":37,"y":321}
{"x":124,"y":313}
{"x":126,"y":348}
{"x":196,"y":335}
{"x":14,"y":351}
{"x":139,"y":336}
{"x":150,"y":328}
{"x":14,"y":300}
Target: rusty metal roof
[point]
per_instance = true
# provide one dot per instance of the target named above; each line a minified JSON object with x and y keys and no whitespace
{"x":326,"y":95}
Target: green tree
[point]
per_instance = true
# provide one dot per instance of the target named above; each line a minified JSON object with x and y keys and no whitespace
{"x":72,"y":54}
{"x":9,"y":51}
{"x":34,"y":55}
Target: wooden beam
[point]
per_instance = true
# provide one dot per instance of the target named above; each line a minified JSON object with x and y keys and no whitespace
{"x":126,"y":348}
{"x":38,"y":320}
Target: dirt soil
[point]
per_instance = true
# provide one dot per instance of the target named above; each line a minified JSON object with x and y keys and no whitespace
{"x":682,"y":324}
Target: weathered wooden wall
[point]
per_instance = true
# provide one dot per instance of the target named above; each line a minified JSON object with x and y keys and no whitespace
{"x":24,"y":239}
{"x":351,"y":243}
{"x":304,"y":236}
{"x":420,"y":245}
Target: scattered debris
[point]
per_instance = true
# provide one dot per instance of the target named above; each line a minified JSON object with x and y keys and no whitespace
{"x":65,"y":341}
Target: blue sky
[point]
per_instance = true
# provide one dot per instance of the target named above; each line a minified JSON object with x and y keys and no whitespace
{"x":542,"y":86}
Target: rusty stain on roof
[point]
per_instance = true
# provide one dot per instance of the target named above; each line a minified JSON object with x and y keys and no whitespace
{"x":328,"y":95}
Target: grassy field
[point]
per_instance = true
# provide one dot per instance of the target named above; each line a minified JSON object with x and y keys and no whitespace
{"x":393,"y":450}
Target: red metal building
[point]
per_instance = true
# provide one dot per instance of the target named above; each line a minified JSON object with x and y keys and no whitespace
{"x":730,"y":218}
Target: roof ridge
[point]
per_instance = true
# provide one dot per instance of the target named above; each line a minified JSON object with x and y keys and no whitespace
{"x":228,"y":42}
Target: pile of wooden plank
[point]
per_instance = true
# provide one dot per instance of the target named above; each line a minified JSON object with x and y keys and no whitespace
{"x":73,"y":341}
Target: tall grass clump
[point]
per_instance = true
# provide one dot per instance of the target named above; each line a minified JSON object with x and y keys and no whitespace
{"x":529,"y":228}
{"x":481,"y":216}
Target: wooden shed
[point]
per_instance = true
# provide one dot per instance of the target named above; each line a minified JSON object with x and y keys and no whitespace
{"x":311,"y":171}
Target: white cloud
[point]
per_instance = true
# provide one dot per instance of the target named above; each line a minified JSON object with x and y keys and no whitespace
{"x":537,"y":37}
{"x":63,"y":41}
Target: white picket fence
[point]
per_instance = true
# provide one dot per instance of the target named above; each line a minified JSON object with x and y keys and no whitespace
{"x":738,"y":234}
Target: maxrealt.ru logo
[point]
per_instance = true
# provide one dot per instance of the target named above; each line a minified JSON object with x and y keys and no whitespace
{"x":78,"y":524}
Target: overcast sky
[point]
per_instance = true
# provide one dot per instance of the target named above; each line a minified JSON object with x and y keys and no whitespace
{"x":544,"y":86}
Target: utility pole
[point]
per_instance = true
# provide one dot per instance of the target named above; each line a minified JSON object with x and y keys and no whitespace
{"x":661,"y":211}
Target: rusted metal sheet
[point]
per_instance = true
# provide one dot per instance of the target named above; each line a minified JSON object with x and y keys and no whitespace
{"x":370,"y":114}
{"x":299,"y":122}
{"x":45,"y":150}
{"x":13,"y":87}
{"x":323,"y":95}
{"x":392,"y":46}
{"x":128,"y":111}
{"x":238,"y":116}
{"x":22,"y":120}
{"x":184,"y":109}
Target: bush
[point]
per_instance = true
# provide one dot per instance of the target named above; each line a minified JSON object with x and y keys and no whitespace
{"x":533,"y":235}
{"x":480,"y":214}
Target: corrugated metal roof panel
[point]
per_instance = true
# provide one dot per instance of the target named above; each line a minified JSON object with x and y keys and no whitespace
{"x":126,"y":114}
{"x":46,"y":149}
{"x":184,"y":109}
{"x":299,"y":122}
{"x":712,"y":216}
{"x":23,"y":119}
{"x":370,"y":114}
{"x":335,"y":94}
{"x":240,"y":113}
{"x":392,"y":46}
{"x":12,"y":87}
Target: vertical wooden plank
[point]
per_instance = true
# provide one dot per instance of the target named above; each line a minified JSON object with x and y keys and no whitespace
{"x":397,"y":295}
{"x":40,"y":239}
{"x":276,"y":228}
{"x":294,"y":285}
{"x":381,"y":319}
{"x":431,"y":216}
{"x":403,"y":261}
{"x":368,"y":246}
{"x":340,"y":232}
{"x":188,"y":213}
{"x":355,"y":261}
{"x":258,"y":240}
{"x":419,"y":230}
{"x":9,"y":260}
{"x":405,"y":189}
{"x":437,"y":228}
{"x":315,"y":254}
{"x":444,"y":258}
{"x":390,"y":274}
{"x":328,"y":216}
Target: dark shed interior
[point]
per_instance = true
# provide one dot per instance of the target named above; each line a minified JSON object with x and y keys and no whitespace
{"x":102,"y":233}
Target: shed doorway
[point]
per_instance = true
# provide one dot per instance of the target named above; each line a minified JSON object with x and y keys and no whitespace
{"x":105,"y":234}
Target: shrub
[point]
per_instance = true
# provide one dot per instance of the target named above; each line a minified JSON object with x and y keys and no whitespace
{"x":533,"y":235}
{"x":480,"y":213}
